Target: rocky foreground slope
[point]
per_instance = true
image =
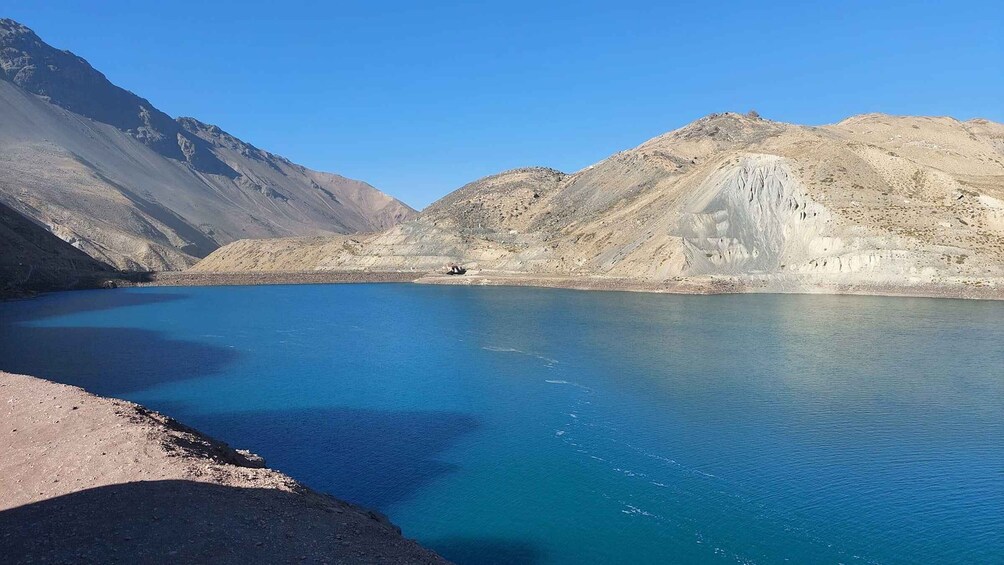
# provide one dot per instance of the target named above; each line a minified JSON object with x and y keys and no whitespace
{"x":86,"y":479}
{"x":875,"y":203}
{"x":108,"y":172}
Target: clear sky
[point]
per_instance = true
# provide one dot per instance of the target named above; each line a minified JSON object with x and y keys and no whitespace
{"x":419,"y":98}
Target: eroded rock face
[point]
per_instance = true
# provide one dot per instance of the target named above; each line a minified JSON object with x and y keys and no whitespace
{"x":753,"y":217}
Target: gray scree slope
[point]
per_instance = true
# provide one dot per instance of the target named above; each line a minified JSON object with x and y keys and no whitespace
{"x":108,"y":172}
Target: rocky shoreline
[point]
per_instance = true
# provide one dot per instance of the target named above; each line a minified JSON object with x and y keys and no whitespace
{"x":960,"y":289}
{"x":88,"y":479}
{"x":979,"y":290}
{"x":968,"y":290}
{"x":189,"y":278}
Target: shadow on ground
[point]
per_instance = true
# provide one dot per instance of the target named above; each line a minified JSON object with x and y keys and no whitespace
{"x":375,"y":458}
{"x":193,"y":522}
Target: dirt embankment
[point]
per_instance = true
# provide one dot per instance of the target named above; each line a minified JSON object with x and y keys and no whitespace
{"x":721,"y":285}
{"x":682,"y":285}
{"x":86,"y":479}
{"x":191,"y":278}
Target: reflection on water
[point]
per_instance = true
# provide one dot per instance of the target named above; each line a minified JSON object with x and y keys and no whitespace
{"x":548,"y":426}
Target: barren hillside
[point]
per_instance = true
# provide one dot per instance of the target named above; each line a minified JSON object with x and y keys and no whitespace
{"x":131,"y":186}
{"x":875,"y":201}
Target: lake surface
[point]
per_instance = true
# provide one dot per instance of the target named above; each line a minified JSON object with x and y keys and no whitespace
{"x":519,"y":425}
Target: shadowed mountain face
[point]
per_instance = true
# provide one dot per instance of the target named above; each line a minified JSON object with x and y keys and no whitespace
{"x":32,"y":259}
{"x":106,"y":170}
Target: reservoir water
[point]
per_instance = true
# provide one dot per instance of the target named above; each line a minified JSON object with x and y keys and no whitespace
{"x":518,"y":425}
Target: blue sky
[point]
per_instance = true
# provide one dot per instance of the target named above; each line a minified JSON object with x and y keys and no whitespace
{"x":419,"y":98}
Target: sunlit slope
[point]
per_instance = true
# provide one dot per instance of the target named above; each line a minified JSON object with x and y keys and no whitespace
{"x":874,"y":199}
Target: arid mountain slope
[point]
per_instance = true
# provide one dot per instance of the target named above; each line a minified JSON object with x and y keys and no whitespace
{"x":135,"y":188}
{"x":873,"y":200}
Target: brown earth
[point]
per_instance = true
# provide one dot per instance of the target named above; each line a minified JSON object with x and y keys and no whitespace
{"x":188,"y":278}
{"x":87,"y":479}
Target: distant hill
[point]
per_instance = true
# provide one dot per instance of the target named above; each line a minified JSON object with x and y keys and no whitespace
{"x":878,"y":201}
{"x":107,"y":171}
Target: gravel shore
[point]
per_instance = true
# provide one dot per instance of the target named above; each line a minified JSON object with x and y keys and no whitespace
{"x":189,"y":278}
{"x":87,"y":479}
{"x":725,"y":285}
{"x":685,"y":285}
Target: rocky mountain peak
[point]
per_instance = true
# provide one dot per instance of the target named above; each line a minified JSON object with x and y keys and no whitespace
{"x":9,"y":26}
{"x":728,"y":126}
{"x":718,"y":130}
{"x":69,"y":81}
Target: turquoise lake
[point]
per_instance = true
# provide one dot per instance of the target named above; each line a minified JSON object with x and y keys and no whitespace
{"x":519,"y":425}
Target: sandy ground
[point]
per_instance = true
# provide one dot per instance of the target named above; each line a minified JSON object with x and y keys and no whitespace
{"x":720,"y":285}
{"x":86,"y":479}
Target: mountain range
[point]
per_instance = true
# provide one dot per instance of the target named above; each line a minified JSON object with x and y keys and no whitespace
{"x":730,"y":202}
{"x":109,"y":173}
